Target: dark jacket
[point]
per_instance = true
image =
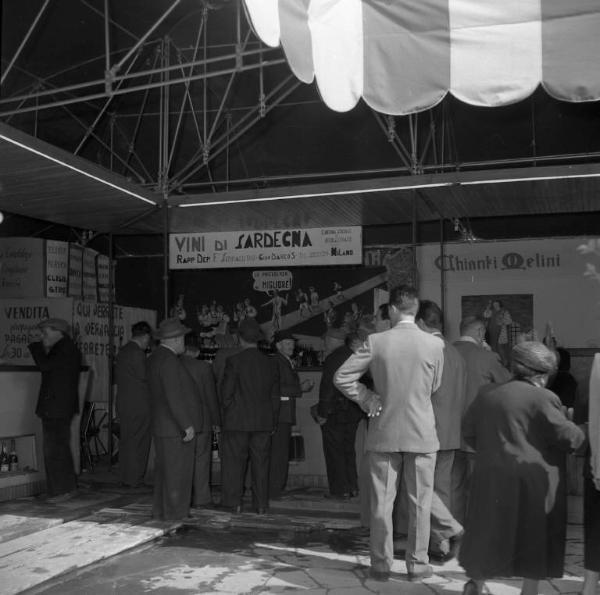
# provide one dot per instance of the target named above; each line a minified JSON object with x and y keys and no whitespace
{"x":130,"y":377}
{"x":333,"y":405}
{"x":207,"y":406}
{"x":60,"y":367}
{"x":250,"y":392}
{"x":289,"y":383}
{"x":172,"y":394}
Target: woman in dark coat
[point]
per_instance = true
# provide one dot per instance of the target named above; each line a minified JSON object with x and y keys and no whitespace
{"x":516,"y":522}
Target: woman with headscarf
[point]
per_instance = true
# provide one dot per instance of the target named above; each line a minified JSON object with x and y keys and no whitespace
{"x":516,"y":522}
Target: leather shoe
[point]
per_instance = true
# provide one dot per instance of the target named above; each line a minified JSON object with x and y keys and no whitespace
{"x":470,"y":588}
{"x":420,"y":573}
{"x":379,"y":575}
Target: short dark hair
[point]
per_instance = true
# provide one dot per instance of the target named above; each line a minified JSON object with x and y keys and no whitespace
{"x":139,"y":329}
{"x":467,"y":323}
{"x":431,"y":314}
{"x":404,"y":298}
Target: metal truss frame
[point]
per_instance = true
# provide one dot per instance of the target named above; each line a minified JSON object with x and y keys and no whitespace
{"x":423,"y":143}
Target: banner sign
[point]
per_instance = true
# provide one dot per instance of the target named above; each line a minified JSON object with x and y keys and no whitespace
{"x":21,"y":267}
{"x":267,"y":280}
{"x":537,"y":281}
{"x":57,"y":268}
{"x":266,"y":248}
{"x":91,"y":331}
{"x":75,"y":271}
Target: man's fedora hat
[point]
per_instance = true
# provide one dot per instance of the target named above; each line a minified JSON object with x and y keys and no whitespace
{"x":58,"y":324}
{"x":170,"y":328}
{"x":283,"y":335}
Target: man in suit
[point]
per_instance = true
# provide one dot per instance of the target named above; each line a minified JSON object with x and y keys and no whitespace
{"x":291,"y":389}
{"x":406,"y":367}
{"x":338,"y":418}
{"x":133,"y":406}
{"x":483,"y":366}
{"x":59,"y":361}
{"x":172,"y":410}
{"x":250,"y":408}
{"x":206,"y":420}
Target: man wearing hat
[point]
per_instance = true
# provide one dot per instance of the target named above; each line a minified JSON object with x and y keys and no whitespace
{"x":250,"y":408}
{"x":172,"y":394}
{"x":291,"y":389}
{"x":133,"y":406}
{"x":59,"y":361}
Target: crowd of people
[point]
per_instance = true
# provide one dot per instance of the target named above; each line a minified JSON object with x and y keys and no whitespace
{"x":462,"y":456}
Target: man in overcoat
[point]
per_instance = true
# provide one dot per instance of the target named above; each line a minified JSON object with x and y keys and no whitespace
{"x":406,"y":367}
{"x":339,"y":417}
{"x":133,"y":406}
{"x":59,"y":361}
{"x":250,"y":408}
{"x":206,"y":419}
{"x":172,"y":409}
{"x":483,"y":367}
{"x":291,"y":389}
{"x":447,"y":403}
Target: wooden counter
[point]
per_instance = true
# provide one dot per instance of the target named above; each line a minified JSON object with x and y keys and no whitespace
{"x":19,"y":386}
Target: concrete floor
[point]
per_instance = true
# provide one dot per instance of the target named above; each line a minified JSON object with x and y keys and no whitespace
{"x":103,"y":541}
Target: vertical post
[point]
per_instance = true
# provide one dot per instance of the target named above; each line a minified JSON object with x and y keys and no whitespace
{"x":442,"y":274}
{"x":165,"y":207}
{"x":414,"y":240}
{"x":111,"y":346}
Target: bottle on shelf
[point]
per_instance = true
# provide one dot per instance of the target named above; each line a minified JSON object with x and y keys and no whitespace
{"x":4,"y":464}
{"x":13,"y":459}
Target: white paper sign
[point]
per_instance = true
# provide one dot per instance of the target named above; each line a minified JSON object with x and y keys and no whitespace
{"x":57,"y":268}
{"x":266,"y":248}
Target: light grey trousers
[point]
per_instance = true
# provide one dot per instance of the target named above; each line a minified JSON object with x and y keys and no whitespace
{"x":417,"y":471}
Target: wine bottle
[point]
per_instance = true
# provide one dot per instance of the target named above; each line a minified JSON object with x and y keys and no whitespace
{"x":13,"y":459}
{"x":4,"y":465}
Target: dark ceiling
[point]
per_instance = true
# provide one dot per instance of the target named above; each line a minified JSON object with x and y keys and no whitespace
{"x":216,"y":135}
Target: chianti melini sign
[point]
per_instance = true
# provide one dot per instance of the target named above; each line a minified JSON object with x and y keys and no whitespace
{"x":510,"y":261}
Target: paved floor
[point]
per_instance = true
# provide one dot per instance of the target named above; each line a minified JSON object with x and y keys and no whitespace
{"x":103,"y":541}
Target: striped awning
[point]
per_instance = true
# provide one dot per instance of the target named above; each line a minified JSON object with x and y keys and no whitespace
{"x":404,"y":56}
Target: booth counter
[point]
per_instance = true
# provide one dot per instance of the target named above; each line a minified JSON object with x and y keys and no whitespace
{"x":19,"y":386}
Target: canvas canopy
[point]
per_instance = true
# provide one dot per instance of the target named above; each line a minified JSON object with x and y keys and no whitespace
{"x":403,"y":56}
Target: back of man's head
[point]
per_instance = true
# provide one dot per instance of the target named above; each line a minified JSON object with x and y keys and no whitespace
{"x":472,"y":326}
{"x":430,"y":314}
{"x":404,"y":298}
{"x":192,"y":346}
{"x":139,"y":329}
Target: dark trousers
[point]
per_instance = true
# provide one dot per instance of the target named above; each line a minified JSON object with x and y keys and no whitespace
{"x":591,"y":525}
{"x":58,"y":459}
{"x":236,"y":448}
{"x":202,"y":457}
{"x":134,"y":446}
{"x":340,"y":456}
{"x":174,"y":467}
{"x":280,"y":456}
